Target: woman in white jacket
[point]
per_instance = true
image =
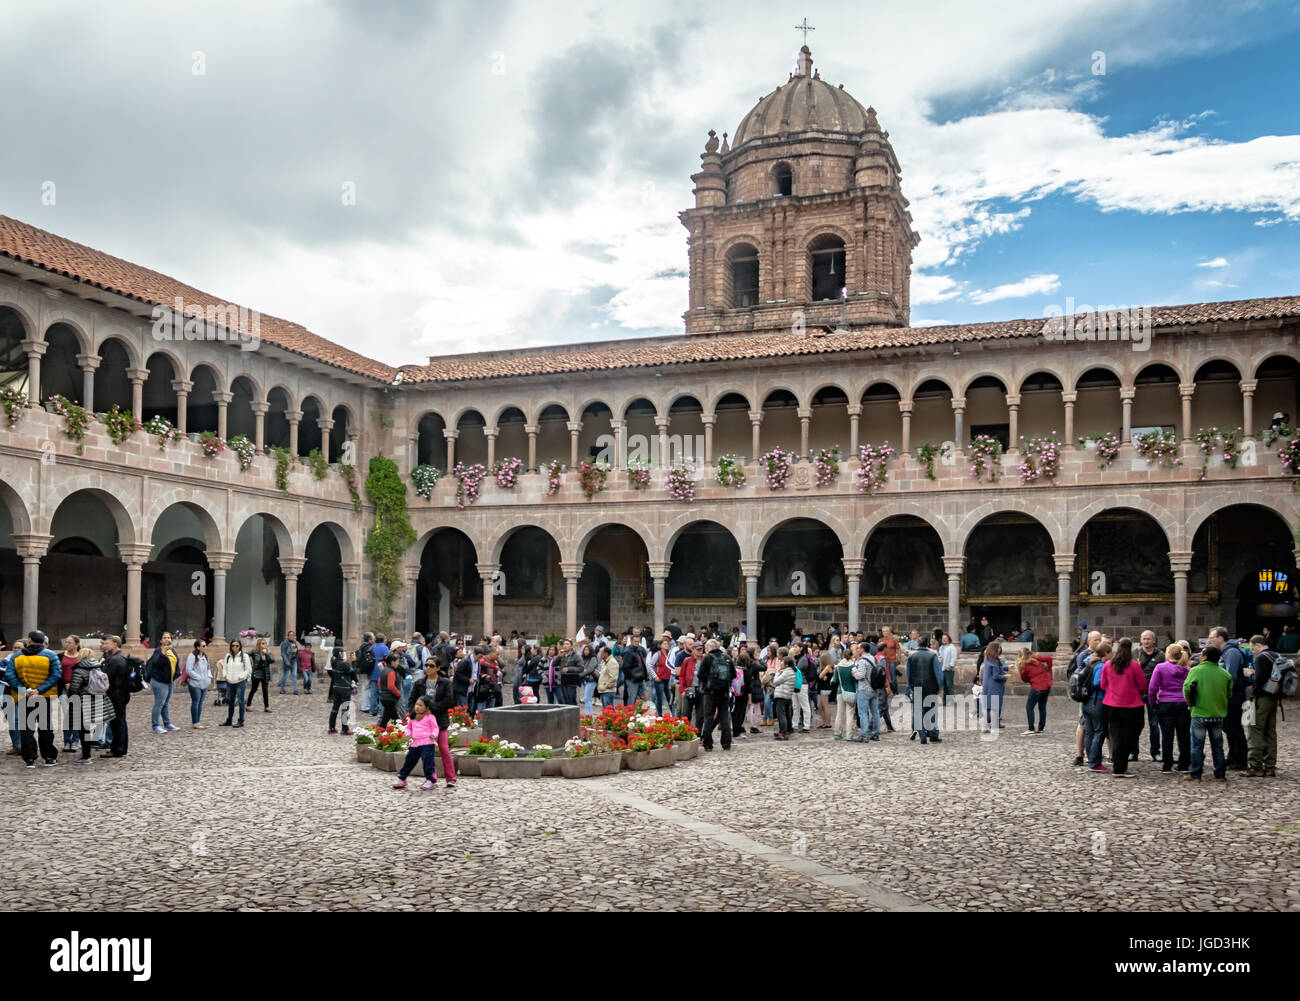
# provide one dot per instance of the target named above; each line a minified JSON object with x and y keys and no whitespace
{"x":198,"y":676}
{"x":236,"y":668}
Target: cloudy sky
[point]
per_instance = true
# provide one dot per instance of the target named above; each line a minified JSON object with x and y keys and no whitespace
{"x":414,"y":178}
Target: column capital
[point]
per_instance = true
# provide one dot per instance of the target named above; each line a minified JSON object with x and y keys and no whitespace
{"x":571,"y":571}
{"x":182,"y":386}
{"x":752,"y":569}
{"x":134,"y":553}
{"x":220,"y":562}
{"x":1248,"y":386}
{"x":32,"y":545}
{"x":1126,"y":393}
{"x":1064,"y":564}
{"x":1069,"y":399}
{"x":804,"y":413}
{"x":530,"y":429}
{"x":325,"y":423}
{"x":954,"y":566}
{"x":89,"y":363}
{"x":35,"y":347}
{"x":959,"y":403}
{"x":411,"y":573}
{"x":1180,"y":562}
{"x":756,"y":417}
{"x":291,"y":566}
{"x":662,"y":423}
{"x":853,"y":567}
{"x":450,"y":434}
{"x":659,"y":569}
{"x":486,"y":571}
{"x":1186,"y":389}
{"x":225,"y":398}
{"x":293,"y":416}
{"x":1013,"y":401}
{"x":905,"y":407}
{"x":855,"y":409}
{"x":707,"y":419}
{"x":137,"y":375}
{"x":351,"y":571}
{"x":574,"y":426}
{"x":259,"y":406}
{"x":616,"y":426}
{"x":491,"y":432}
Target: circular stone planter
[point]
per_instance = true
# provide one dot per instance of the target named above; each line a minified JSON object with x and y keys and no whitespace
{"x":640,"y":761}
{"x":590,"y":765}
{"x":553,"y":763}
{"x":512,"y":768}
{"x":387,"y":761}
{"x":364,"y":751}
{"x":466,"y":763}
{"x":684,"y":750}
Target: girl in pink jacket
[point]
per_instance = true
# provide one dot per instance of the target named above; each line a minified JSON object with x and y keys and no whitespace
{"x":422,"y":728}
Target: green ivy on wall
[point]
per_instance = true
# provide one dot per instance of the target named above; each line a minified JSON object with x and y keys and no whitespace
{"x":391,"y":536}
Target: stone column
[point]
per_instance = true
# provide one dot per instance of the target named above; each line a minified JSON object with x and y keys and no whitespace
{"x":756,"y":422}
{"x":410,"y":577}
{"x":662,"y":424}
{"x":708,"y":420}
{"x":805,"y":419}
{"x":531,"y":431}
{"x":413,"y":450}
{"x":1013,"y":421}
{"x":751,"y":569}
{"x":138,"y":377}
{"x":571,"y":571}
{"x":1248,"y":387}
{"x":1187,"y":390}
{"x":855,"y":416}
{"x":853,"y":574}
{"x":659,"y":575}
{"x":326,"y":426}
{"x":1126,"y":394}
{"x":1064,"y":567}
{"x":34,"y":350}
{"x":905,"y":408}
{"x":182,"y":387}
{"x":491,"y":435}
{"x":616,"y":428}
{"x":451,"y":437}
{"x":1180,"y":563}
{"x":293,"y":417}
{"x":954,"y":567}
{"x":351,"y":575}
{"x":31,"y":547}
{"x":259,"y":408}
{"x":575,"y":428}
{"x":487,"y":574}
{"x":135,"y":556}
{"x":1068,"y":400}
{"x":291,"y":567}
{"x":958,"y":412}
{"x":223,"y":405}
{"x":88,"y":365}
{"x":220,"y":564}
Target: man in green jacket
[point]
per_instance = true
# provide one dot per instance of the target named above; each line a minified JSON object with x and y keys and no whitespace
{"x":1211,"y":685}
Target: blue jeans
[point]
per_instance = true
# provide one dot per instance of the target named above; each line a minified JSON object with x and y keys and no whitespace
{"x":236,"y":696}
{"x":1096,"y":724}
{"x":197,"y":695}
{"x":662,"y":696}
{"x":1214,"y":727}
{"x":608,"y":699}
{"x":868,"y":710}
{"x":405,"y":704}
{"x":767,"y":705}
{"x":1036,"y":698}
{"x":635,"y":690}
{"x":288,"y":671}
{"x":372,"y":696}
{"x":588,"y":690}
{"x":162,"y":695}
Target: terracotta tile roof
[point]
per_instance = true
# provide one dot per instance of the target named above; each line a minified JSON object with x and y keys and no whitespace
{"x":650,"y":352}
{"x":49,"y":252}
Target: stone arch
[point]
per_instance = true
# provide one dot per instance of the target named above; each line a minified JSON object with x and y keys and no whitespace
{"x":18,"y":513}
{"x":123,"y":338}
{"x":347,"y":550}
{"x":894,"y":508}
{"x":586,"y":531}
{"x":497,"y":541}
{"x":1051,"y":370}
{"x":497,"y":414}
{"x":159,"y":503}
{"x":679,"y":524}
{"x":1168,"y":363}
{"x":462,"y":412}
{"x":1010,"y":502}
{"x":179,"y":369}
{"x":991,"y":373}
{"x":283,"y":537}
{"x":775,"y":385}
{"x":289,"y":397}
{"x":78,"y":328}
{"x":1092,"y":365}
{"x":815,"y":233}
{"x":259,"y":391}
{"x":1161,"y":515}
{"x":1258,"y":495}
{"x":105,"y":488}
{"x":425,"y":537}
{"x":836,"y":525}
{"x":920,"y":378}
{"x":1222,"y":357}
{"x":1263,"y":355}
{"x":735,"y":241}
{"x":26,"y":319}
{"x":722,"y":394}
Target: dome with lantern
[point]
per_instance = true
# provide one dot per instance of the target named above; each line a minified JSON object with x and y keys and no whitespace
{"x":805,"y":103}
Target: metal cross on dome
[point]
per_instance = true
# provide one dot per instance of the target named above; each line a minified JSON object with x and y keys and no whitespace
{"x":805,"y":28}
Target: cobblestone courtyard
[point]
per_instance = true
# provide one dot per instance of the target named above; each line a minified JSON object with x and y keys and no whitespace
{"x":278,"y":816}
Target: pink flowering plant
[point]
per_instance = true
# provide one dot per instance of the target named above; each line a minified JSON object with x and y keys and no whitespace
{"x":1040,"y":458}
{"x":680,"y":481}
{"x":161,"y":428}
{"x":777,"y":462}
{"x":76,"y":420}
{"x":554,"y":471}
{"x":1159,"y":447}
{"x":986,"y":458}
{"x":638,"y":473}
{"x":469,"y":479}
{"x":1290,"y":456}
{"x":927,"y":452}
{"x":1218,"y":441}
{"x":1107,"y":447}
{"x":120,"y":425}
{"x":507,"y":471}
{"x":873,"y":470}
{"x":211,"y":444}
{"x":731,"y":470}
{"x":827,"y":462}
{"x":13,"y":402}
{"x":592,"y":475}
{"x":244,"y":449}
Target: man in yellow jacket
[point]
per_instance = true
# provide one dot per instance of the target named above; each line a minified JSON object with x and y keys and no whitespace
{"x":33,"y":675}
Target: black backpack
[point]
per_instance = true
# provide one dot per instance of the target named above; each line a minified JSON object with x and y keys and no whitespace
{"x":366,"y":659}
{"x":723,"y":674}
{"x":879,"y":676}
{"x":135,"y":677}
{"x":1080,"y":683}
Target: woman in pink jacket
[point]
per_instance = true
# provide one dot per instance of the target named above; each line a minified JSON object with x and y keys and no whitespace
{"x":1125,"y":686}
{"x":422,"y":728}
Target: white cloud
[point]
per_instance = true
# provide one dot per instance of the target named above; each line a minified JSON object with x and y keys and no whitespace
{"x":1218,"y":262}
{"x":933,"y":288}
{"x":1032,"y":285}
